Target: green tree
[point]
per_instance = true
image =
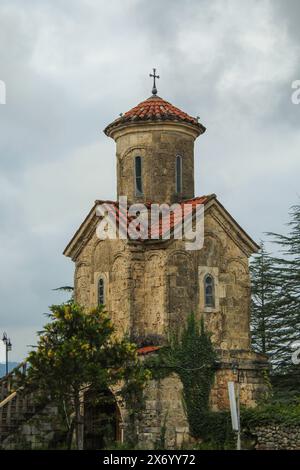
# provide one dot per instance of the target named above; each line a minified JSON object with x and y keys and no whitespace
{"x":288,"y":277}
{"x":77,"y":352}
{"x":69,"y":289}
{"x":264,"y":289}
{"x":195,"y":360}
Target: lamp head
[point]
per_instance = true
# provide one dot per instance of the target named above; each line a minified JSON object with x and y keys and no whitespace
{"x":235,"y":366}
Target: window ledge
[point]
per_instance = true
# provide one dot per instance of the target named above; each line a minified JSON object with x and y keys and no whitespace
{"x":210,"y":309}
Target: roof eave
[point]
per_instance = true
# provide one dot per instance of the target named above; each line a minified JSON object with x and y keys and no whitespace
{"x":71,"y":248}
{"x":119,"y":126}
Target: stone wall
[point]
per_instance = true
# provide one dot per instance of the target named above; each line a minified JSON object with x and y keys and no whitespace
{"x":157,"y":145}
{"x":38,"y":432}
{"x":276,"y":437}
{"x":251,"y":376}
{"x":225,"y":257}
{"x":164,"y":421}
{"x":152,"y":286}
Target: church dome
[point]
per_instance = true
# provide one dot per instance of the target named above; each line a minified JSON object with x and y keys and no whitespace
{"x":155,"y":109}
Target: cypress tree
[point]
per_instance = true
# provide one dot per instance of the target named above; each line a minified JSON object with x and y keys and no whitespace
{"x":264,"y":290}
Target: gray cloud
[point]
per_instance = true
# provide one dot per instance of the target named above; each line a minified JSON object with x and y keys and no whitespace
{"x":72,"y":67}
{"x":287,"y":14}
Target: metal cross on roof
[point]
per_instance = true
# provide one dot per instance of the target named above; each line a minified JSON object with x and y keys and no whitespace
{"x":154,"y":89}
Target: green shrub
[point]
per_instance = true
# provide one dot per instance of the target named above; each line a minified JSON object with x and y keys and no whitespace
{"x":271,"y":413}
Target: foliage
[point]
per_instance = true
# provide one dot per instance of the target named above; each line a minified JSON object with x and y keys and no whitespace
{"x":69,"y":289}
{"x":194,"y":360}
{"x":191,"y":355}
{"x":77,"y":352}
{"x":288,"y":304}
{"x":275,"y":319}
{"x":64,"y":289}
{"x":286,"y":387}
{"x":271,"y":413}
{"x":215,"y":427}
{"x":282,"y":407}
{"x":265,"y":289}
{"x":161,"y":442}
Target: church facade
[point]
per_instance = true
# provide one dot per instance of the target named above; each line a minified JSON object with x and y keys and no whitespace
{"x":149,"y":286}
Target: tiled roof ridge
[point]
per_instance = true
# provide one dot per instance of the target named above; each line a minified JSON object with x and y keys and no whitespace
{"x":205,"y":197}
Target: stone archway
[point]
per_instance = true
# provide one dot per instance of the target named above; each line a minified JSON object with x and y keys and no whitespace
{"x":102,"y":420}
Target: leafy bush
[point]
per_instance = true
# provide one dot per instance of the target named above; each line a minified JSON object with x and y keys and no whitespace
{"x":271,"y":413}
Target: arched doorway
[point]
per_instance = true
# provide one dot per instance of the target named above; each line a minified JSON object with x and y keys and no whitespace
{"x":102,"y":420}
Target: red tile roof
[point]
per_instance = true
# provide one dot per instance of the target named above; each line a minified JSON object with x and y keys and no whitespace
{"x":184,"y":209}
{"x":156,"y":231}
{"x":155,"y":109}
{"x":89,"y":225}
{"x":147,"y":350}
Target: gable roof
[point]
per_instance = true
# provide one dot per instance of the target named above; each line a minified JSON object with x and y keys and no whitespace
{"x":156,"y":232}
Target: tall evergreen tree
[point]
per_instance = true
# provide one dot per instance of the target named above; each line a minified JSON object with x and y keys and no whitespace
{"x":264,"y":300}
{"x":288,"y":277}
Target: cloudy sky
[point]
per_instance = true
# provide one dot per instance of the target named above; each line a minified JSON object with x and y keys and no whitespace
{"x":71,"y":66}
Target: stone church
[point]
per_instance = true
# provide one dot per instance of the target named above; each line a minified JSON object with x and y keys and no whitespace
{"x":149,"y":285}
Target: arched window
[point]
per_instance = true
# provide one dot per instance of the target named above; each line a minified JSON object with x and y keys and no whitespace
{"x":178,"y":174}
{"x":101,"y":291}
{"x":138,"y":176}
{"x":209,"y":291}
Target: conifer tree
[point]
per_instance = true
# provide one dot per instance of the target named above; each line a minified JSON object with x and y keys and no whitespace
{"x":264,"y":302}
{"x":288,"y":303}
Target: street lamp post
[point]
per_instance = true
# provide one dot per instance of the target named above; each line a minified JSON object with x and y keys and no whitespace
{"x":8,"y":347}
{"x":235,"y":369}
